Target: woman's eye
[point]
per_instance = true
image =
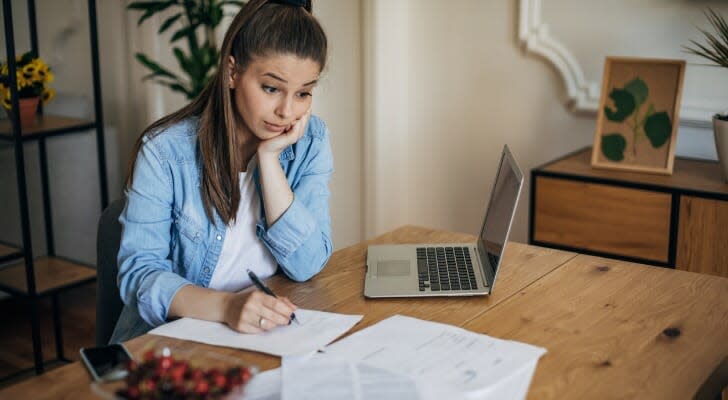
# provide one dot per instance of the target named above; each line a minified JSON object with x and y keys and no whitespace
{"x":303,"y":95}
{"x":269,"y":89}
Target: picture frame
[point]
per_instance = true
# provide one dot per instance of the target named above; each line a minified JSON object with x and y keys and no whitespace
{"x":638,"y":115}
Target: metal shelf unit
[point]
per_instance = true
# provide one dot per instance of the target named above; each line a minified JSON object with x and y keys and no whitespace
{"x":29,"y":277}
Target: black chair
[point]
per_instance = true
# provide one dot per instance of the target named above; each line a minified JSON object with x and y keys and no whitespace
{"x":108,"y":300}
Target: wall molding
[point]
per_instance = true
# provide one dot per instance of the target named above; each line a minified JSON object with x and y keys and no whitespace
{"x":583,"y":94}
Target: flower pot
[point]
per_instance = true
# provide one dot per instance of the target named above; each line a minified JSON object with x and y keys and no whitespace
{"x":720,"y":130}
{"x":28,"y":107}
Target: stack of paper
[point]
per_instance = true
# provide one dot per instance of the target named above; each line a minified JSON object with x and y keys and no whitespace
{"x":445,"y":358}
{"x":405,"y":358}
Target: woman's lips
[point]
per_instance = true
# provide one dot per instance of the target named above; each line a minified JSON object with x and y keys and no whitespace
{"x":274,"y":127}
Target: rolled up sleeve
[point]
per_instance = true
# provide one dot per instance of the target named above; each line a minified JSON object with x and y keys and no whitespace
{"x":146,"y":279}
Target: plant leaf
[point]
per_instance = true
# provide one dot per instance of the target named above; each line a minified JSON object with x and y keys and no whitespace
{"x":145,"y":5}
{"x":718,"y":51}
{"x":181,"y":59}
{"x":184,"y":32}
{"x":613,"y":146}
{"x":151,"y":8}
{"x":658,"y":128}
{"x":638,"y":89}
{"x":157,"y":70}
{"x":624,"y":103}
{"x":168,"y":22}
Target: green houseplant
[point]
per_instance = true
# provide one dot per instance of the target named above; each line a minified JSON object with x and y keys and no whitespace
{"x":716,"y":51}
{"x":188,"y":17}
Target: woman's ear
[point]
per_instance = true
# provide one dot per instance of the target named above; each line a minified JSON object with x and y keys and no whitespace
{"x":233,"y":73}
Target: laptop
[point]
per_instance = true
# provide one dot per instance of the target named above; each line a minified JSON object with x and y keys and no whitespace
{"x":450,"y":269}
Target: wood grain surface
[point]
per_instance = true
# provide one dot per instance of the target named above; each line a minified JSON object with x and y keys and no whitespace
{"x":612,"y":329}
{"x":628,"y":222}
{"x":618,"y":330}
{"x":702,"y":241}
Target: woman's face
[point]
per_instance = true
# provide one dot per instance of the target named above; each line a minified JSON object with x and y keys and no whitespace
{"x":273,"y":93}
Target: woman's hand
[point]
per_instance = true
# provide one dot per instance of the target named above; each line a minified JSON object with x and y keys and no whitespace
{"x":274,"y":146}
{"x":255,"y":312}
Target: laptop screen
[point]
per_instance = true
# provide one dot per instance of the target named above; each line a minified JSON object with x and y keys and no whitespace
{"x":501,"y":208}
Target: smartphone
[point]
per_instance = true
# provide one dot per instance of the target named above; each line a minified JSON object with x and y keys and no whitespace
{"x":106,"y":363}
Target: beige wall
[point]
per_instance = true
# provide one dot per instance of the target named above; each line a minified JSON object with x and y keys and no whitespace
{"x":456,"y":86}
{"x":419,"y":95}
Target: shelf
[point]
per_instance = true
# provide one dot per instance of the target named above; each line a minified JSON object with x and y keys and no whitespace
{"x":8,"y":253}
{"x":51,"y":274}
{"x":687,"y":176}
{"x":44,"y":126}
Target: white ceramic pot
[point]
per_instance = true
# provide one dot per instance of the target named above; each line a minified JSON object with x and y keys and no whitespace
{"x":720,"y":130}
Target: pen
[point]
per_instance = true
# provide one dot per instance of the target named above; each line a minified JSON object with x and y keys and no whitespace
{"x":260,"y":285}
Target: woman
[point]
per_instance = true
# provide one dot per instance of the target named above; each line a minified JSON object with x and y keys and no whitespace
{"x":236,"y":180}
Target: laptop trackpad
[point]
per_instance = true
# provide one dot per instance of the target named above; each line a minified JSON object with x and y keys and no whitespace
{"x":393,"y":268}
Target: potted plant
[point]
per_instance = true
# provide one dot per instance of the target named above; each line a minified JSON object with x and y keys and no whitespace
{"x":32,"y":75}
{"x":200,"y":60}
{"x":716,"y":51}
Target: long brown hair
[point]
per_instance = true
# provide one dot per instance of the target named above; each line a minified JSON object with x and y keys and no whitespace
{"x":261,"y":28}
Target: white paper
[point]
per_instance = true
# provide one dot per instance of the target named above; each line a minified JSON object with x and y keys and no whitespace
{"x":315,"y":330}
{"x":513,"y":387}
{"x":323,"y":378}
{"x":446,"y":358}
{"x":263,"y":386}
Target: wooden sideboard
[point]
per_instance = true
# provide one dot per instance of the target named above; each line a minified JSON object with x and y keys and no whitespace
{"x":678,"y":221}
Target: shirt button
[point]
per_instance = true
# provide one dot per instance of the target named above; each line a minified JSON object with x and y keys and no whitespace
{"x":207,"y":270}
{"x":218,"y":237}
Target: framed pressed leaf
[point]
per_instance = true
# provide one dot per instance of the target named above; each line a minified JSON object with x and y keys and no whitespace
{"x":638,"y":115}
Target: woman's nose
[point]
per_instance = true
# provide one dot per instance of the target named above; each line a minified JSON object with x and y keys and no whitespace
{"x":285,"y":108}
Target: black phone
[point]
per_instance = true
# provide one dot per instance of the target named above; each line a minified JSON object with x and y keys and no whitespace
{"x":106,"y":363}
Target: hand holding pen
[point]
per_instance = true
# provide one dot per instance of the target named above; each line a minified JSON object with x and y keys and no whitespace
{"x":260,"y":285}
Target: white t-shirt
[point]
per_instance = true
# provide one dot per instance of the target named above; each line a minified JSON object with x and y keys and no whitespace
{"x":242,"y":250}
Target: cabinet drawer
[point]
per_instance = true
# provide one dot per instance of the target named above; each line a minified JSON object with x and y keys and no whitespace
{"x":702,"y":239}
{"x":627,"y":222}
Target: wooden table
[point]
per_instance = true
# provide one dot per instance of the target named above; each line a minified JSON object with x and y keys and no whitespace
{"x":613,"y":329}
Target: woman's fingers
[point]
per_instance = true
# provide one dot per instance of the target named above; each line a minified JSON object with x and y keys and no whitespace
{"x":273,"y":317}
{"x":273,"y":309}
{"x":289,"y":303}
{"x":261,"y":312}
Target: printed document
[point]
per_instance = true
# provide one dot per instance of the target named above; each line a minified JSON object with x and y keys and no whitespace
{"x":322,"y":378}
{"x":447,"y":358}
{"x":315,"y":330}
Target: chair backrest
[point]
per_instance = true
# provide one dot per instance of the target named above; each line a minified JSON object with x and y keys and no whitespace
{"x":108,"y":300}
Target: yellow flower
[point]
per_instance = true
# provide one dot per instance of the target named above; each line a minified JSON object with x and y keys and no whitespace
{"x":48,"y":76}
{"x":6,"y":101}
{"x":4,"y":69}
{"x":30,"y":71}
{"x":48,"y":95}
{"x":22,"y":82}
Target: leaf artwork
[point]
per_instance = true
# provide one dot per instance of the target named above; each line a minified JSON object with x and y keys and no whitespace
{"x":642,"y":121}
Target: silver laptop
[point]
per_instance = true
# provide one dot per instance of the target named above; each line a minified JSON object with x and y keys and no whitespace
{"x":450,"y":269}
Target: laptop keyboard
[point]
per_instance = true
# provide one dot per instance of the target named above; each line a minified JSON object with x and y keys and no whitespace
{"x":445,"y":268}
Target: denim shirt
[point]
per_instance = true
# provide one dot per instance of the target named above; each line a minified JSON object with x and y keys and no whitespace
{"x":168,"y":241}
